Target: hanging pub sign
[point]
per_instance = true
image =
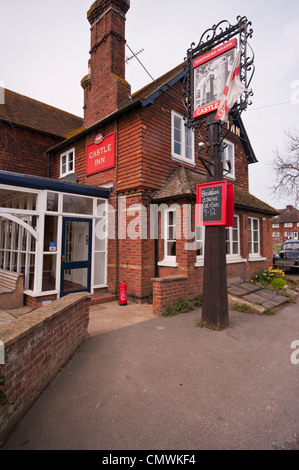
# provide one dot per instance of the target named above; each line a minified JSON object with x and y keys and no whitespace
{"x":101,"y":154}
{"x":215,"y":204}
{"x":210,"y":73}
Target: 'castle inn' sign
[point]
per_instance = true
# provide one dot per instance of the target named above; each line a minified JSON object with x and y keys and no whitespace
{"x":100,"y":155}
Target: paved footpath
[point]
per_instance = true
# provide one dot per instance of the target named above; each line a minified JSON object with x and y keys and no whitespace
{"x":166,"y":384}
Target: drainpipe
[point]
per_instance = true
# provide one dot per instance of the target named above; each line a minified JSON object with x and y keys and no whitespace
{"x":48,"y":165}
{"x":156,"y":258}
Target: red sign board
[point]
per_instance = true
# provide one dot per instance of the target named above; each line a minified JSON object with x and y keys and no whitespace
{"x":101,"y":156}
{"x":209,"y":77}
{"x":215,"y":204}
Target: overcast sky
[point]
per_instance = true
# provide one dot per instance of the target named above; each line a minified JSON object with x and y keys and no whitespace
{"x":44,"y":53}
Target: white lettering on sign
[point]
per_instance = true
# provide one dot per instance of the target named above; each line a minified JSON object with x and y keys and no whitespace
{"x":101,"y":156}
{"x":100,"y":151}
{"x":99,"y":161}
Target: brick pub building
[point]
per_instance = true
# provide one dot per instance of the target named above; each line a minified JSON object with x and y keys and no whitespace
{"x":132,"y":163}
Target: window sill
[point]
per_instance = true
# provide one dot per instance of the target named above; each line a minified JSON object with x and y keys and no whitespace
{"x":237,"y":259}
{"x":229,"y":260}
{"x":230,"y":177}
{"x":256,"y":258}
{"x":66,"y":174}
{"x":184,"y":161}
{"x":199,"y":263}
{"x":40,"y":294}
{"x":170,"y":264}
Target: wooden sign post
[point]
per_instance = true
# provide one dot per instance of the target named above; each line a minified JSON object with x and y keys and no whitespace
{"x":215,"y":213}
{"x":203,"y":92}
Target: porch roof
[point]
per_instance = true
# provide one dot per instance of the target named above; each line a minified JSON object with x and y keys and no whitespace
{"x":183,"y":183}
{"x":36,"y":182}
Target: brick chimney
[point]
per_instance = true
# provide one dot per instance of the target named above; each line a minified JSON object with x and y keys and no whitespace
{"x":105,"y":87}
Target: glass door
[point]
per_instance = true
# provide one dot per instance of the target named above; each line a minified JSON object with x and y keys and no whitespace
{"x":75,"y":255}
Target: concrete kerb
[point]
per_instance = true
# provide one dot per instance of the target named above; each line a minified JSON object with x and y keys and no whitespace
{"x":254,"y":308}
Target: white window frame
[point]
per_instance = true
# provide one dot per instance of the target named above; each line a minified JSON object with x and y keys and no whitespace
{"x":234,"y":257}
{"x":200,"y":243}
{"x":254,"y":255}
{"x":275,"y":234}
{"x":230,"y":239}
{"x":275,"y":225}
{"x":184,"y":132}
{"x":68,"y":160}
{"x":288,"y":225}
{"x":228,"y":156}
{"x":169,"y":260}
{"x":22,"y":246}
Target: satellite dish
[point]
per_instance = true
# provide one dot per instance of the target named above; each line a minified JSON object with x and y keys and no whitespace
{"x":71,"y":178}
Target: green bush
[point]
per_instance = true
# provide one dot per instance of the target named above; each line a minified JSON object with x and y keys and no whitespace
{"x":265,"y":276}
{"x":183,"y":306}
{"x":170,"y":311}
{"x":278,"y":283}
{"x":198,"y":301}
{"x":242,"y":308}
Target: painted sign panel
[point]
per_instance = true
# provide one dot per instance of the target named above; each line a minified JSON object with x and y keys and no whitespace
{"x":210,"y":73}
{"x":215,"y":204}
{"x":101,"y":154}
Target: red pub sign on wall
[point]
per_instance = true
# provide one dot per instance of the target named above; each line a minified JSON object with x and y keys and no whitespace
{"x":215,"y":204}
{"x":101,"y":154}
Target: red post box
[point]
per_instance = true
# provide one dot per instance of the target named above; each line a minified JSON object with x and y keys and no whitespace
{"x":122,"y":294}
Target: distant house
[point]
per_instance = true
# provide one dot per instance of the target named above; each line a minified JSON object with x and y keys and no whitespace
{"x":285,"y":226}
{"x":131,"y":155}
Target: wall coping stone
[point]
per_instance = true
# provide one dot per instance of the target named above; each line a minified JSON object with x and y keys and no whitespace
{"x":169,"y":278}
{"x":22,"y":326}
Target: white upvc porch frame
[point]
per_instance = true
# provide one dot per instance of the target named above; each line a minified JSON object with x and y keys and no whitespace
{"x":15,"y":214}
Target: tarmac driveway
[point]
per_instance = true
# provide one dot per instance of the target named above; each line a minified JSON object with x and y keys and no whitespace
{"x":166,"y":384}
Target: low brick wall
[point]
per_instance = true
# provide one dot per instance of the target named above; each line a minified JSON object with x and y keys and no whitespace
{"x":168,"y":291}
{"x":36,"y":346}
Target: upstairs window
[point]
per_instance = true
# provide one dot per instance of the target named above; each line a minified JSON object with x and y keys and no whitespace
{"x":288,"y":224}
{"x":228,"y":159}
{"x":182,"y":141}
{"x":67,"y":163}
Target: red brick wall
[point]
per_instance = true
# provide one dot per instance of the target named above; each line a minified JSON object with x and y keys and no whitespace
{"x":36,"y":346}
{"x":24,"y":151}
{"x":157,"y":162}
{"x":168,"y":291}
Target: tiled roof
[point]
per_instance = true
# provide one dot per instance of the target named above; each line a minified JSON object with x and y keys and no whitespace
{"x":288,"y":215}
{"x":181,"y":183}
{"x":33,"y":114}
{"x":184,"y":182}
{"x":245,"y":200}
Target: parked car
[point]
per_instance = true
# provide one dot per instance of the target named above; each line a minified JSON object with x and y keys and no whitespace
{"x":288,"y":257}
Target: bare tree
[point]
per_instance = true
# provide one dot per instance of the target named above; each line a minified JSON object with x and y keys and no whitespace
{"x":286,"y":168}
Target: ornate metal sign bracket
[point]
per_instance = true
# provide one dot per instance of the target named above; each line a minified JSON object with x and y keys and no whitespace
{"x":210,"y":39}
